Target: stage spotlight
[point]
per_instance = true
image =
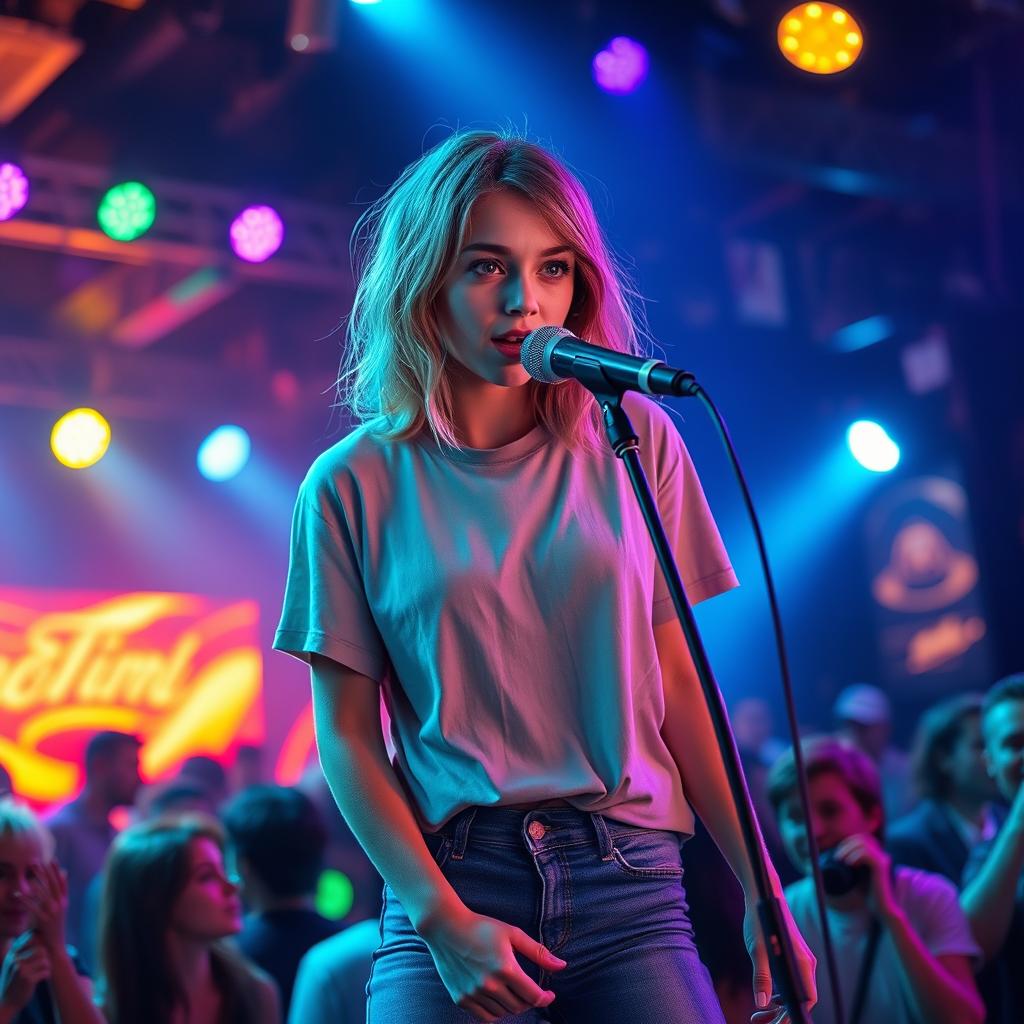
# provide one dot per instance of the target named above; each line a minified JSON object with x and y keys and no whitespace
{"x":224,"y":453}
{"x":256,"y":233}
{"x":13,"y":190}
{"x":622,"y":66}
{"x":820,"y":38}
{"x":127,"y":211}
{"x":872,"y":447}
{"x":80,"y":438}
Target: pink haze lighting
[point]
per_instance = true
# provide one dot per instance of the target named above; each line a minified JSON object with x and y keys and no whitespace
{"x":13,"y":190}
{"x":622,"y":66}
{"x":256,"y":233}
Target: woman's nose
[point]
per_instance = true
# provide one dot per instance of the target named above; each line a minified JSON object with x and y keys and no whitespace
{"x":520,"y":298}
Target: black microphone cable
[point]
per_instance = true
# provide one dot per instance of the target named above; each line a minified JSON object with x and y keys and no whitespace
{"x":787,"y":690}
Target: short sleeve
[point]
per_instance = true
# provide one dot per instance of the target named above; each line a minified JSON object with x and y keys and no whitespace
{"x":325,"y":608}
{"x":703,"y":563}
{"x":933,"y":906}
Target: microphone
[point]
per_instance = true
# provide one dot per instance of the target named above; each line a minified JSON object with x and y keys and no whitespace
{"x":550,"y":354}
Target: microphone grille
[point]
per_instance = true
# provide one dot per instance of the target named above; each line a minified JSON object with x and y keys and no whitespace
{"x":534,"y":356}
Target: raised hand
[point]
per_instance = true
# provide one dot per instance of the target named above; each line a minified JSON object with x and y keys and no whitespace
{"x":27,"y":963}
{"x":475,"y":956}
{"x":865,"y":851}
{"x":48,"y":903}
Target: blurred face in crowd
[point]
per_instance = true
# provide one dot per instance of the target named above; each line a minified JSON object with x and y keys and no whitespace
{"x":752,"y":723}
{"x":835,"y":815}
{"x":872,"y":738}
{"x":119,"y":775}
{"x":209,"y":907}
{"x":21,"y":860}
{"x":1003,"y":730}
{"x":965,"y":766}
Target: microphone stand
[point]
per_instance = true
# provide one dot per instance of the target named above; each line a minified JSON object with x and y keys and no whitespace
{"x":626,"y":445}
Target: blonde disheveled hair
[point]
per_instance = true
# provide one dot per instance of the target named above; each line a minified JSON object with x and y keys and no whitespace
{"x":17,"y":820}
{"x":403,"y":247}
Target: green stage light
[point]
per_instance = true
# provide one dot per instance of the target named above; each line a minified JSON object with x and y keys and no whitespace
{"x":334,"y":894}
{"x":127,"y":211}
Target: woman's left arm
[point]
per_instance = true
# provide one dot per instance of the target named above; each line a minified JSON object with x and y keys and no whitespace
{"x":72,"y":993}
{"x":690,"y":736}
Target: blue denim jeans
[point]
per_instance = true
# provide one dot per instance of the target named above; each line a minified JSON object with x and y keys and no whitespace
{"x":605,"y":896}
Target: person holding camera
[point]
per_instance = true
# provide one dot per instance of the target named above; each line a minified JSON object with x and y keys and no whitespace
{"x":903,"y":948}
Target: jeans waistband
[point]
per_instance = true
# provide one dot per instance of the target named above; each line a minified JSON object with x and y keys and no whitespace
{"x":517,"y":823}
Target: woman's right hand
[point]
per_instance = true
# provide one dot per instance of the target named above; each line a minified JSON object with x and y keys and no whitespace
{"x":27,"y":963}
{"x":475,"y":956}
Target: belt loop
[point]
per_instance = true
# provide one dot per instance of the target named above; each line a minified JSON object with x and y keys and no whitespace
{"x":604,"y":839}
{"x":462,"y":833}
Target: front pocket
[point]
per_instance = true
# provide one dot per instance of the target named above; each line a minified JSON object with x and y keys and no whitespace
{"x":648,"y":854}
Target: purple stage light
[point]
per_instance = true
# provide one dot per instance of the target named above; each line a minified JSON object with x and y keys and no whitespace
{"x":256,"y":233}
{"x":622,"y":66}
{"x":13,"y":190}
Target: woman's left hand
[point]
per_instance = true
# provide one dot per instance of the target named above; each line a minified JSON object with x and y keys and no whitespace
{"x":48,"y":902}
{"x":767,"y":1011}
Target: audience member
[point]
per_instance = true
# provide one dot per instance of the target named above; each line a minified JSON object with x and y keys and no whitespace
{"x":993,"y":894}
{"x":82,"y":828}
{"x":899,"y":935}
{"x":863,"y":718}
{"x":167,"y":904}
{"x":247,"y":769}
{"x":39,"y":981}
{"x":950,"y":774}
{"x":330,"y":987}
{"x":206,"y":773}
{"x":276,"y":843}
{"x":6,"y":785}
{"x":158,"y":800}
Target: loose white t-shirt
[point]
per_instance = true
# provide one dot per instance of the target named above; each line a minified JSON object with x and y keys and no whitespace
{"x":933,"y":910}
{"x":505,"y":600}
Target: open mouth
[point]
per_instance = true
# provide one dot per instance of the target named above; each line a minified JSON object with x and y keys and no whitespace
{"x":508,"y":347}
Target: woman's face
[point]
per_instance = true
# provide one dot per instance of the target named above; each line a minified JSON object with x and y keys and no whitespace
{"x":209,"y":906}
{"x":21,"y":859}
{"x":511,"y":275}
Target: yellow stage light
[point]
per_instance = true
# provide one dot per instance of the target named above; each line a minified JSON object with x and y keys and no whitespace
{"x":820,"y":38}
{"x":80,"y":438}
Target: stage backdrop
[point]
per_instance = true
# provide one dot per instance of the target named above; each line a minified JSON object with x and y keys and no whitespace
{"x":181,"y":671}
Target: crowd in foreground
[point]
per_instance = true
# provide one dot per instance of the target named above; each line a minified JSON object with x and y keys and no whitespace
{"x":204,"y":909}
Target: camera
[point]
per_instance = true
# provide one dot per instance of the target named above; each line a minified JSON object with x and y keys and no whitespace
{"x":838,"y":878}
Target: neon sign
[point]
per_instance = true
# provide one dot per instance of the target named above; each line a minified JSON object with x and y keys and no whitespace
{"x":181,"y":671}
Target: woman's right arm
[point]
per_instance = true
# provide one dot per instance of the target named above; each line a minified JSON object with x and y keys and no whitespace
{"x":474,"y":954}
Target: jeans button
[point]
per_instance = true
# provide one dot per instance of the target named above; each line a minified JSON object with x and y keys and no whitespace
{"x":536,"y":830}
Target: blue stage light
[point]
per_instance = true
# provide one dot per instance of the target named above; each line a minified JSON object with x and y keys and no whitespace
{"x":872,"y":447}
{"x":224,"y":453}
